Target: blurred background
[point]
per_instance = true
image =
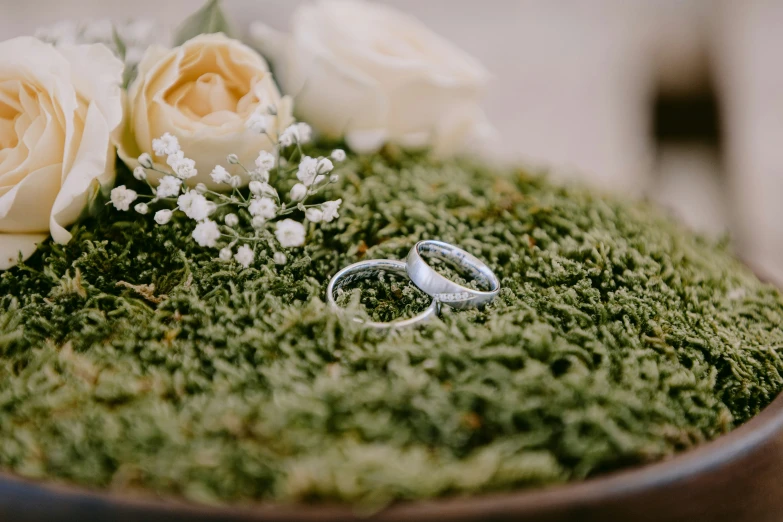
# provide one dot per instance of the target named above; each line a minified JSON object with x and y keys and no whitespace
{"x":677,"y":101}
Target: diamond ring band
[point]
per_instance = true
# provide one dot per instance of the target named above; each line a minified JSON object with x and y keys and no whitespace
{"x":427,"y":279}
{"x":443,"y":289}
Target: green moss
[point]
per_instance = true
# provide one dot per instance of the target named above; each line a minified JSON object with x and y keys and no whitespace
{"x":130,"y":358}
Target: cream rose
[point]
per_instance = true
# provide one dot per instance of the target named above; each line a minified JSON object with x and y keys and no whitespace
{"x":373,"y":75}
{"x":202,"y":92}
{"x":58,"y":108}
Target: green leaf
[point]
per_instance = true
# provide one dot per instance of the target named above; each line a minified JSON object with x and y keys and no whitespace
{"x":129,"y":74}
{"x":209,"y":19}
{"x":130,"y":70}
{"x":118,"y":42}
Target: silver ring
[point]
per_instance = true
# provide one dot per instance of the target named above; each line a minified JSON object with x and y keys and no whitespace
{"x":364,"y":269}
{"x":441,"y":288}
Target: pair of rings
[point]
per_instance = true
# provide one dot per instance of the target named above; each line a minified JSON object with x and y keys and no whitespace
{"x":441,"y":289}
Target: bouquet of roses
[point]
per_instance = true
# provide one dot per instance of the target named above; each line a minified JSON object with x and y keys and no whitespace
{"x":203,"y":125}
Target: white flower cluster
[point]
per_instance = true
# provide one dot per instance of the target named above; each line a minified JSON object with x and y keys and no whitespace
{"x":135,"y":36}
{"x":258,"y":208}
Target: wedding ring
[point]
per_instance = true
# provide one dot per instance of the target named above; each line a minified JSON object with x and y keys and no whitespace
{"x":364,"y":269}
{"x":441,"y":288}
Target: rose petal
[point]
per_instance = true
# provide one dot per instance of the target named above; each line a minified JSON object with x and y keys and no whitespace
{"x":460,"y":131}
{"x":68,"y":100}
{"x":366,"y":141}
{"x":97,"y":75}
{"x":12,"y":245}
{"x":91,"y":168}
{"x":48,"y":71}
{"x":335,"y":98}
{"x":138,"y":137}
{"x":422,"y":106}
{"x":193,"y":92}
{"x":25,"y":208}
{"x":270,"y":41}
{"x":363,"y":69}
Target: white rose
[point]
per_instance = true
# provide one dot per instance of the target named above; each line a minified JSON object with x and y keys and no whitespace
{"x":369,"y":73}
{"x":58,"y":108}
{"x":202,"y":93}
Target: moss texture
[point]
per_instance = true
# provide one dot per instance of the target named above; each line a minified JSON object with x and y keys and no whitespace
{"x":130,"y":358}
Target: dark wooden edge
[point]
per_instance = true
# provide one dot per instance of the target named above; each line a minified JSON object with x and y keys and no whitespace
{"x":22,"y":500}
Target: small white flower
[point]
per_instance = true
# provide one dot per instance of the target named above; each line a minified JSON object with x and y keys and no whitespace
{"x":263,"y":189}
{"x":145,"y":160}
{"x":194,"y":205}
{"x":139,"y":31}
{"x":183,"y":167}
{"x":163,"y":216}
{"x":259,"y":175}
{"x":122,"y":197}
{"x":334,"y":178}
{"x":289,"y":136}
{"x":141,"y":208}
{"x":225,"y":254}
{"x":206,"y":233}
{"x":279,"y":258}
{"x":165,"y":145}
{"x":265,"y":161}
{"x":314,"y":214}
{"x":257,"y":122}
{"x":263,"y":207}
{"x":220,"y":175}
{"x":139,"y":173}
{"x":234,"y":181}
{"x":97,"y":31}
{"x":330,"y":209}
{"x":305,"y":132}
{"x":201,"y":188}
{"x":187,"y":169}
{"x":298,"y":192}
{"x":169,"y":187}
{"x":338,"y":155}
{"x":233,"y":159}
{"x":62,"y":32}
{"x":290,"y":233}
{"x":174,"y":158}
{"x":258,"y":222}
{"x":308,"y":170}
{"x":231,"y":220}
{"x":325,"y":166}
{"x":244,"y":256}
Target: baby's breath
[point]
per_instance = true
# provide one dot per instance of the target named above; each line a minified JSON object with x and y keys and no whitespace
{"x":169,"y":187}
{"x":231,"y":220}
{"x":163,"y":216}
{"x":244,"y":256}
{"x":122,"y":197}
{"x":338,"y":155}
